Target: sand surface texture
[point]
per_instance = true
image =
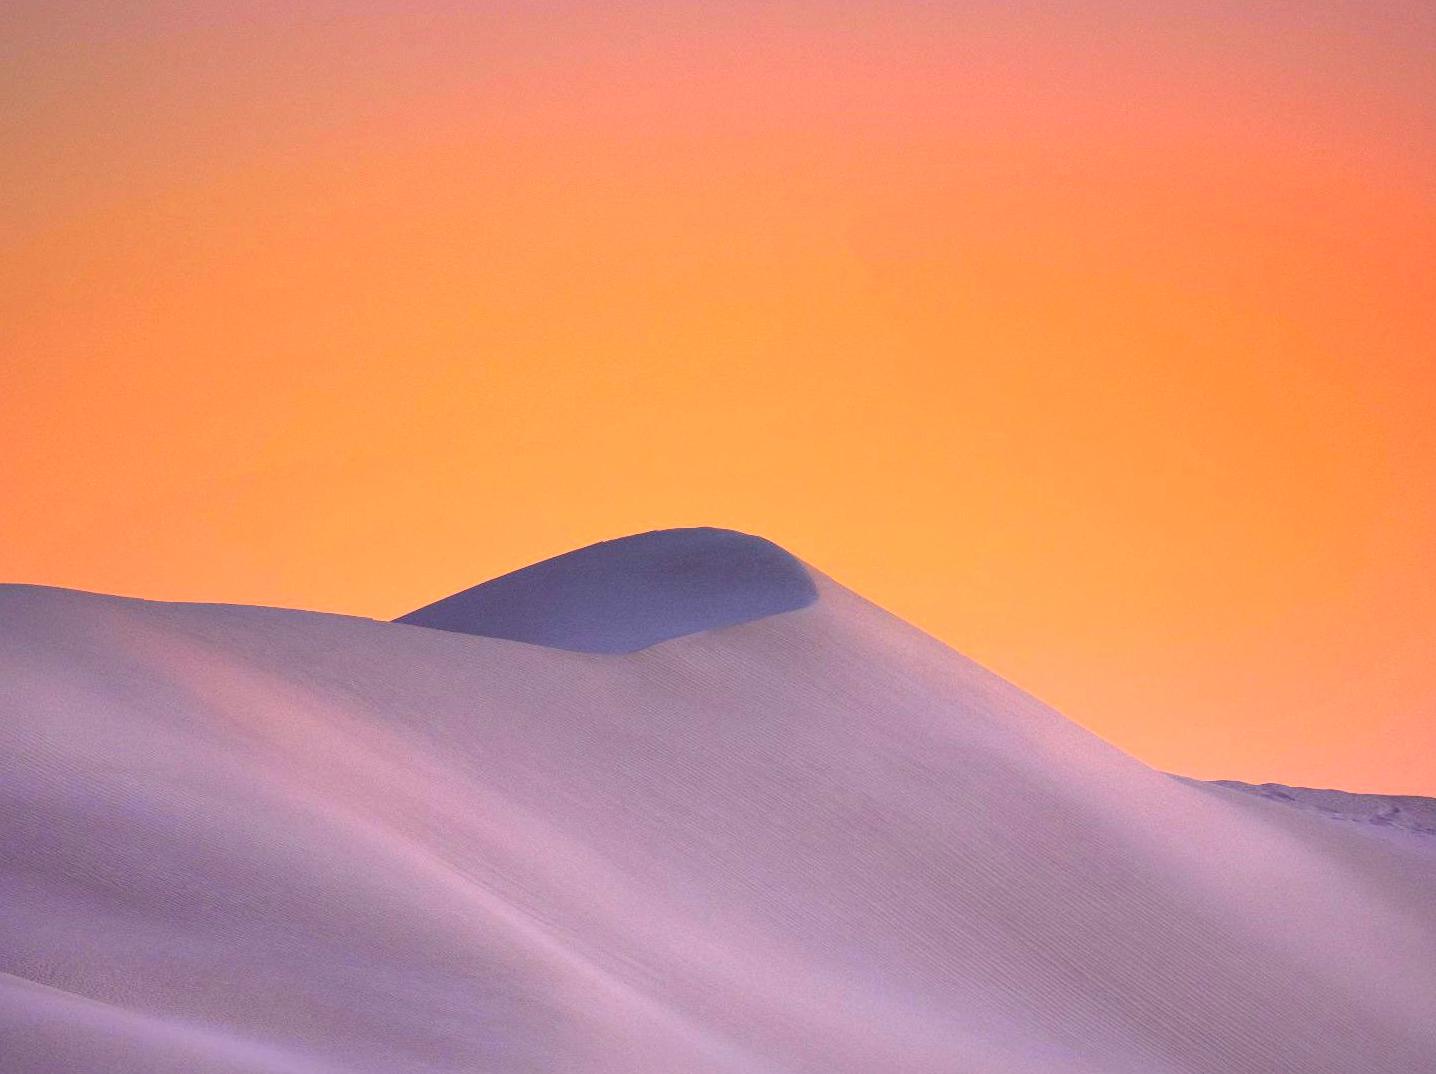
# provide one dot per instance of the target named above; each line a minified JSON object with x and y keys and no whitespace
{"x":248,"y":840}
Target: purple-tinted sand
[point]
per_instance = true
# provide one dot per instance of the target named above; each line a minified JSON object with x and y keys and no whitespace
{"x":800,"y":836}
{"x":624,"y":595}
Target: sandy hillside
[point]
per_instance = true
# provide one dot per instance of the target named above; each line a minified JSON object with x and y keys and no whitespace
{"x":242,"y":839}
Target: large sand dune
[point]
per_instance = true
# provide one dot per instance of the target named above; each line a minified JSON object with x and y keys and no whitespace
{"x":241,"y":839}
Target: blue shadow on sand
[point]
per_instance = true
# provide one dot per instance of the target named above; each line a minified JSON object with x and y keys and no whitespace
{"x":627,"y":594}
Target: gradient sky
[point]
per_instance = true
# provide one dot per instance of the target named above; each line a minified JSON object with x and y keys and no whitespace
{"x":1096,"y":338}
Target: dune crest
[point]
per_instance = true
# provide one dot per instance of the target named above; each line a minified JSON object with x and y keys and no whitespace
{"x":623,"y":595}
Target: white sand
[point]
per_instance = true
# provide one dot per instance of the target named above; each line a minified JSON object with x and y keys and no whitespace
{"x":246,"y":840}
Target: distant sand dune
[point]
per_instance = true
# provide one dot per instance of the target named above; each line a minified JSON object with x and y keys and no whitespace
{"x":1400,"y":813}
{"x":625,"y":595}
{"x":251,"y":840}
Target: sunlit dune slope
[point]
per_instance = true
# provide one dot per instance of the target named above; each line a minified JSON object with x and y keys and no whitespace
{"x":250,"y":840}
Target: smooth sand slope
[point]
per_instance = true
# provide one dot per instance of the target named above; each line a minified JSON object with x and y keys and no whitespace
{"x":241,"y":839}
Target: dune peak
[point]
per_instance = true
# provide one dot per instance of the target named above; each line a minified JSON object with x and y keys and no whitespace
{"x":626,"y":594}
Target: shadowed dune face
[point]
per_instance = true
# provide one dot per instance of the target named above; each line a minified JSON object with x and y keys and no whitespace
{"x":624,"y":595}
{"x":250,"y":840}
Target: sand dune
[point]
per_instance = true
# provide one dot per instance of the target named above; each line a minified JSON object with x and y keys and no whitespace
{"x":251,"y":840}
{"x":1395,"y":812}
{"x":624,"y":595}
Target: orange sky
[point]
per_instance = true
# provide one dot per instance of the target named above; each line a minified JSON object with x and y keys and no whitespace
{"x":1098,"y":343}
